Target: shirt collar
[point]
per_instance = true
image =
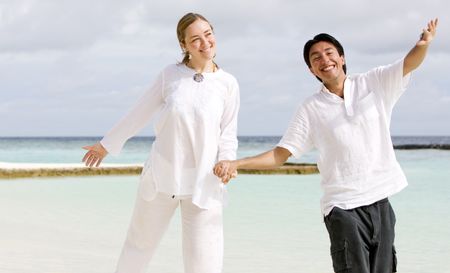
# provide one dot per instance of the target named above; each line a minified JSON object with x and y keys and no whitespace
{"x":348,"y":96}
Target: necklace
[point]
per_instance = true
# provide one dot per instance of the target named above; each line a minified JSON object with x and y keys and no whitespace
{"x":198,"y":77}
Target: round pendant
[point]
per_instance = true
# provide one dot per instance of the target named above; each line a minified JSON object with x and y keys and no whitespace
{"x":198,"y":77}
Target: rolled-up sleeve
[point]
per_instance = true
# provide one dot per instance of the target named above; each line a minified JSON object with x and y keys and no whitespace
{"x":228,"y":142}
{"x":297,"y":138}
{"x":390,"y":82}
{"x":136,"y":119}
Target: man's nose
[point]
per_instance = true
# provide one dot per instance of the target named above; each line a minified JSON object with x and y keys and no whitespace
{"x":324,"y":59}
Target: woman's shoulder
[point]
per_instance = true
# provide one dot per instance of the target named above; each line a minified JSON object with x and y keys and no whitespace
{"x":173,"y":68}
{"x":228,"y":77}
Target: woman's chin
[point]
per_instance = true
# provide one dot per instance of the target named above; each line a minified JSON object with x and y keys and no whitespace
{"x":208,"y":56}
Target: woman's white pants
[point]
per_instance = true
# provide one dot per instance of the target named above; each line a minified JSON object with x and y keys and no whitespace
{"x":202,"y":234}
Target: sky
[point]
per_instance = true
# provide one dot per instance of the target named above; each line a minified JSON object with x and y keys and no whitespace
{"x":74,"y":68}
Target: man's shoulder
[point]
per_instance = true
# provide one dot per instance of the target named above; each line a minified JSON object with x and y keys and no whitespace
{"x":311,"y":103}
{"x":355,"y":77}
{"x":314,"y":98}
{"x":377,"y":70}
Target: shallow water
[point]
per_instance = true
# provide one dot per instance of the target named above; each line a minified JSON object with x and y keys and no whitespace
{"x":272,"y":224}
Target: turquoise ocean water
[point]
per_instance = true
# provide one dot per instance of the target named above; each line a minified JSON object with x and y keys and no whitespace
{"x":272,"y":223}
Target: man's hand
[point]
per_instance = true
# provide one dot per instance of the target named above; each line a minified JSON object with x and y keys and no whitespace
{"x":417,"y":54}
{"x":428,"y":34}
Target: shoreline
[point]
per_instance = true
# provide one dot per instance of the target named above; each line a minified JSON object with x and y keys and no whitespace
{"x":27,"y":170}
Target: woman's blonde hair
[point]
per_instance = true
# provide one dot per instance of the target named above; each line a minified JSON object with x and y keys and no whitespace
{"x":183,"y":24}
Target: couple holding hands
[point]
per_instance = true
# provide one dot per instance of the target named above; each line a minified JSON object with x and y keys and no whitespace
{"x":194,"y":152}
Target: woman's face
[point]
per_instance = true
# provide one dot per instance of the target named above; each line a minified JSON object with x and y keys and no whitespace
{"x":200,"y":41}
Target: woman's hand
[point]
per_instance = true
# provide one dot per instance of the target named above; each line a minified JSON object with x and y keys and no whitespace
{"x":225,"y":170}
{"x":95,"y":155}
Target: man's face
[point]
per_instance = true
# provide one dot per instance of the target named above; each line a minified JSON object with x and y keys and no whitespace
{"x":326,"y":62}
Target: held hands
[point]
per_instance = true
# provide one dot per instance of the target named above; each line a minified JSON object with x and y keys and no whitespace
{"x":225,"y":170}
{"x":95,"y":155}
{"x":428,"y":34}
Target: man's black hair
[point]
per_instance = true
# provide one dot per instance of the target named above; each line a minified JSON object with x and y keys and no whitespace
{"x":322,"y":37}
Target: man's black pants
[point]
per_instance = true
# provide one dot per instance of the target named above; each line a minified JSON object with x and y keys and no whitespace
{"x":362,"y":239}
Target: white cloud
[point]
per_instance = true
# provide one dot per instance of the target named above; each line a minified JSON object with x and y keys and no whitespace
{"x":61,"y":59}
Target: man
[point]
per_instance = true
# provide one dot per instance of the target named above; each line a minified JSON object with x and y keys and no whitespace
{"x":348,"y":122}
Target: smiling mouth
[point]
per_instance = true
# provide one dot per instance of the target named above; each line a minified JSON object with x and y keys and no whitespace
{"x":327,"y":68}
{"x":205,"y":50}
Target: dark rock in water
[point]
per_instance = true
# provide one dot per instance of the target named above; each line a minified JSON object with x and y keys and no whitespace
{"x":422,"y":146}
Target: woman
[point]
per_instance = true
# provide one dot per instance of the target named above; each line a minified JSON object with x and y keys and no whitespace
{"x":197,"y":104}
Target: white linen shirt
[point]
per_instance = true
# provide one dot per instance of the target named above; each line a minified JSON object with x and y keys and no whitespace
{"x":196,"y":126}
{"x":356,"y":157}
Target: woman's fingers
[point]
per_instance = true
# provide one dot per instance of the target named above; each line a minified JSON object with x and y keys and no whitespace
{"x":226,"y":179}
{"x":92,"y":158}
{"x":225,"y":171}
{"x":218,"y":169}
{"x":88,"y":147}
{"x":221,"y":168}
{"x":95,"y":154}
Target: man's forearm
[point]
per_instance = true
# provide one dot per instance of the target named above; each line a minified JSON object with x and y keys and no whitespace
{"x":414,"y":58}
{"x":417,"y":54}
{"x":269,"y":159}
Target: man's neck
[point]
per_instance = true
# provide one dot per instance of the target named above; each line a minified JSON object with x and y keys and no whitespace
{"x":336,"y":87}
